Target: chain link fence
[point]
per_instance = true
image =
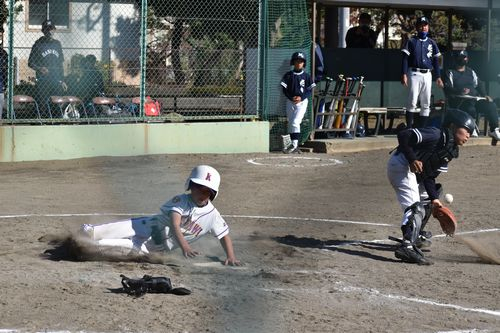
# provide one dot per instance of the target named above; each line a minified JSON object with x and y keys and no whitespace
{"x":106,"y":61}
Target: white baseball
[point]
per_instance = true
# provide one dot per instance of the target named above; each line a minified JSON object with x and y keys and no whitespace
{"x":448,"y":198}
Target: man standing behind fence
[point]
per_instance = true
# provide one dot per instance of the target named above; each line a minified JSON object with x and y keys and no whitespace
{"x":47,"y":59}
{"x":420,"y":59}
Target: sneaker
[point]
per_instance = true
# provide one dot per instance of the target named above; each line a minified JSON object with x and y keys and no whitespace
{"x":409,"y":254}
{"x":495,"y":134}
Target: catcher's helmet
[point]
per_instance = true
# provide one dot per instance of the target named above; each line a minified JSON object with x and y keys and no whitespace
{"x":298,"y":55}
{"x":460,"y":119}
{"x":207,"y":176}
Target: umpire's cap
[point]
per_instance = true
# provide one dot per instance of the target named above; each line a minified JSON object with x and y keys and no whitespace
{"x":422,"y":21}
{"x":460,"y":119}
{"x":298,"y":56}
{"x":48,"y":25}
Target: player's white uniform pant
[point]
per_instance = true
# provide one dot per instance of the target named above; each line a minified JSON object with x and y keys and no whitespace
{"x":131,"y":234}
{"x":420,"y":85}
{"x":404,"y":182}
{"x":295,"y":113}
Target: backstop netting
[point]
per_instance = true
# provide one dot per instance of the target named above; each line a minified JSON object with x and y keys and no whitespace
{"x":286,"y":31}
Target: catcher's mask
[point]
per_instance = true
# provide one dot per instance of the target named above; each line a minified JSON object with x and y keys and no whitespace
{"x":460,"y":119}
{"x":207,"y":176}
{"x":298,"y":56}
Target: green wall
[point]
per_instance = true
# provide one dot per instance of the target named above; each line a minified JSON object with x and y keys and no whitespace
{"x":32,"y":143}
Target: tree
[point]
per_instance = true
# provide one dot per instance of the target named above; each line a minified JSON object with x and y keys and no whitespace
{"x":200,"y":33}
{"x":4,"y":11}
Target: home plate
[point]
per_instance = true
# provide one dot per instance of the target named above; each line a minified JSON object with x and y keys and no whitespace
{"x":216,"y":265}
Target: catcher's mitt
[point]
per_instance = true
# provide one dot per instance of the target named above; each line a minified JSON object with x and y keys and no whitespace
{"x":446,"y":219}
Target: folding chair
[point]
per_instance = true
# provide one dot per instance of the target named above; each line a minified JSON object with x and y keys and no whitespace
{"x":25,"y":99}
{"x":102,"y":101}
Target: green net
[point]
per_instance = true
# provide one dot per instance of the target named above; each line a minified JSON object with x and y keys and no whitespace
{"x":287,"y":31}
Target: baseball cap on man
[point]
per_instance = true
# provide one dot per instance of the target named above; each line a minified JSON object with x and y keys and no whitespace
{"x":48,"y":25}
{"x":463,"y":54}
{"x":422,"y":20}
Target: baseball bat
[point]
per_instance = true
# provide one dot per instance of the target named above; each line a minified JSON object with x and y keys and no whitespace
{"x":354,"y":107}
{"x":340,"y":109}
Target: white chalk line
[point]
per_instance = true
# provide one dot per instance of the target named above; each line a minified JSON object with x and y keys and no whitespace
{"x":294,"y":218}
{"x":330,"y":161}
{"x":377,"y":293}
{"x":235,"y":216}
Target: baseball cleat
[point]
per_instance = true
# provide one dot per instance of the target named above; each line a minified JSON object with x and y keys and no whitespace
{"x":423,"y":243}
{"x":295,"y":150}
{"x":408,"y":254}
{"x":495,"y":134}
{"x":87,"y":231}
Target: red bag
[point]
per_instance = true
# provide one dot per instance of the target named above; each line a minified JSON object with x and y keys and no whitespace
{"x":152,"y":108}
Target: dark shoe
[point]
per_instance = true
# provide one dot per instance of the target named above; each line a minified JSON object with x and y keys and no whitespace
{"x":295,"y":150}
{"x":410,"y":255}
{"x":424,"y":240}
{"x":423,"y":243}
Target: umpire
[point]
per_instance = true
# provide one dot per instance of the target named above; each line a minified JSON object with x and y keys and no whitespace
{"x":47,"y":59}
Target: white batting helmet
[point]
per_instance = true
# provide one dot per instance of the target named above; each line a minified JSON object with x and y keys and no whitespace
{"x":207,"y":176}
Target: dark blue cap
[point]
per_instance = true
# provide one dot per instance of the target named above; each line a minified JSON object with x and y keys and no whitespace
{"x":422,"y":20}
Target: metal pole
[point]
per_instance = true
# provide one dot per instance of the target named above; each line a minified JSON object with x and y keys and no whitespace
{"x":313,"y":63}
{"x":10,"y":71}
{"x":144,"y":26}
{"x":344,"y":24}
{"x":261,"y":59}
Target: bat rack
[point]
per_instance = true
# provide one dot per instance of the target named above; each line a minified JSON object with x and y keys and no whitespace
{"x":336,"y":111}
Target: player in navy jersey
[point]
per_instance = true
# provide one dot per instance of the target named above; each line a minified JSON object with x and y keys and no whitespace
{"x":46,"y":59}
{"x":461,"y":83}
{"x":420,"y":59}
{"x":297,"y":86}
{"x":422,"y":154}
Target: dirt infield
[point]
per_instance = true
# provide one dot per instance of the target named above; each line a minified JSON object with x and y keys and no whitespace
{"x":312,"y":231}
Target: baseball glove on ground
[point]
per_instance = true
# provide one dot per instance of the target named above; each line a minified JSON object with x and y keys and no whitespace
{"x":446,"y":219}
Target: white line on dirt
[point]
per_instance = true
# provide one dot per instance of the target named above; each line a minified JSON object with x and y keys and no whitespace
{"x":466,"y":331}
{"x":375,"y":292}
{"x":309,"y":220}
{"x":328,"y":161}
{"x":236,"y":216}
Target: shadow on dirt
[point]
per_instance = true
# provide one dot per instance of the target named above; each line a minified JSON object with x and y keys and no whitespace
{"x":339,"y":246}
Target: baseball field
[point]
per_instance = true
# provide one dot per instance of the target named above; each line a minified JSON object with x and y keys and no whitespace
{"x":311,"y":229}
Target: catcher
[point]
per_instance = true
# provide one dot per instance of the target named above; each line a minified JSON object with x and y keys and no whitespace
{"x":422,"y":154}
{"x":183,"y":220}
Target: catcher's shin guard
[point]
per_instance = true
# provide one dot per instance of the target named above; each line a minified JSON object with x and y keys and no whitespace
{"x":412,"y":223}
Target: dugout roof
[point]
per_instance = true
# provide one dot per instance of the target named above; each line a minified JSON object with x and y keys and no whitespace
{"x":420,"y":4}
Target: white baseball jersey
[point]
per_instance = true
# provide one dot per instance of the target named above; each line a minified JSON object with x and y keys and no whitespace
{"x":154,"y":233}
{"x":195,"y":221}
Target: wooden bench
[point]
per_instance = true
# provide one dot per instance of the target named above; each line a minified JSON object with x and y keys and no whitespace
{"x":366,"y":112}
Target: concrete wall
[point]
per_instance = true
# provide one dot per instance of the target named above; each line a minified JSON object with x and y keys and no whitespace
{"x":32,"y":143}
